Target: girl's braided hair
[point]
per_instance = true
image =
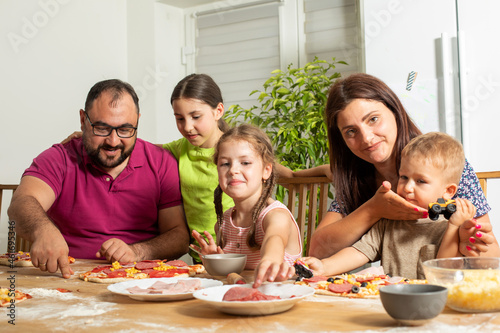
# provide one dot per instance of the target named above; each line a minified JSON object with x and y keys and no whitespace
{"x":261,"y":144}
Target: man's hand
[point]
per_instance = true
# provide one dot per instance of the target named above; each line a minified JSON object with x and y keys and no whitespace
{"x":49,"y":252}
{"x":115,"y":249}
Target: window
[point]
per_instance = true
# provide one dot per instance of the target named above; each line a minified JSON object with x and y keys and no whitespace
{"x":240,"y":46}
{"x":331,"y":30}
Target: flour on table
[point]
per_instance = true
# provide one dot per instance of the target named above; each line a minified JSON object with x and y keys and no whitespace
{"x":49,"y":293}
{"x":72,"y":305}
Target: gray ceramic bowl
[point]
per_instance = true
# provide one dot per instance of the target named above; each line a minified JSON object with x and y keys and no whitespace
{"x":413,"y":304}
{"x":223,"y":264}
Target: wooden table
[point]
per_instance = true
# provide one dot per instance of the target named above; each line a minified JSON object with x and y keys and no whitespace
{"x":91,"y":306}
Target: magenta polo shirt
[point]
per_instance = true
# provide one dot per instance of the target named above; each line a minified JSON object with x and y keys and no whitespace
{"x":91,"y":206}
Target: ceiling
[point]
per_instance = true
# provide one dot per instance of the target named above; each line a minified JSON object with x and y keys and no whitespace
{"x":186,"y":3}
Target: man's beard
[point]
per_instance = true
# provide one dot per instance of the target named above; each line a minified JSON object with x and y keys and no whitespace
{"x":107,"y":162}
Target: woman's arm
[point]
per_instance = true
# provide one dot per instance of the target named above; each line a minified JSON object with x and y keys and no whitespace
{"x":336,"y":232}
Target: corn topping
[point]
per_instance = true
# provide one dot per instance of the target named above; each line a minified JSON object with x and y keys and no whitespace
{"x":115,"y":265}
{"x":4,"y":295}
{"x":163,"y":267}
{"x":478,"y":291}
{"x":131,"y":271}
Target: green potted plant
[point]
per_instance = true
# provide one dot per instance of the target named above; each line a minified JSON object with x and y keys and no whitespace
{"x":291,"y":111}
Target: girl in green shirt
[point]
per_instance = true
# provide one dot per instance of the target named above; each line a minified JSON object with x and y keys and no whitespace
{"x":198,"y":110}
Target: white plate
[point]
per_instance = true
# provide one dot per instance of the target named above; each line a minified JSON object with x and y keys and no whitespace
{"x":121,"y":288}
{"x":289,"y":293}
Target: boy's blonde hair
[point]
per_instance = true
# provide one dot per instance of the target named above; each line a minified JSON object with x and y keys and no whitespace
{"x":261,"y":143}
{"x":439,"y":149}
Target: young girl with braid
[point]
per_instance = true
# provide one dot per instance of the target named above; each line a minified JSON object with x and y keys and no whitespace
{"x":257,"y":225}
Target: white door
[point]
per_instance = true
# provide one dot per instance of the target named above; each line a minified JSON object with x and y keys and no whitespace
{"x":479,"y":33}
{"x":406,"y":36}
{"x":457,"y":88}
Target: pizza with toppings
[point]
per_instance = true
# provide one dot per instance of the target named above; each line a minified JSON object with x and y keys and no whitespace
{"x":363,"y":284}
{"x":10,"y":296}
{"x":21,"y":259}
{"x":145,"y":269}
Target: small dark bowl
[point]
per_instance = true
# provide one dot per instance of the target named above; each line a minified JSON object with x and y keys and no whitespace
{"x":413,"y":304}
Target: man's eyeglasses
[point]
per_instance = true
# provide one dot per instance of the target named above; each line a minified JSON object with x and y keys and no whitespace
{"x":105,"y":130}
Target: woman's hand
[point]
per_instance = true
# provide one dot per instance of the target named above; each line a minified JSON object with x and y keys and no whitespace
{"x":207,"y":246}
{"x":387,"y":204}
{"x":74,"y":135}
{"x":477,"y":238}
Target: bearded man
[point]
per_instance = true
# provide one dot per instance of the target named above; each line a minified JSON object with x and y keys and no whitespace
{"x":108,"y":194}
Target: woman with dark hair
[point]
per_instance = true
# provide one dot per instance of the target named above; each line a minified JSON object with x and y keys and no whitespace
{"x":368,"y":128}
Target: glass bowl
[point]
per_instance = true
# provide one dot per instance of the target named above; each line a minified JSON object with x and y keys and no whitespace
{"x":473,"y":282}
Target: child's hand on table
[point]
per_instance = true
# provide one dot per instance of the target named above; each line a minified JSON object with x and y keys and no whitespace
{"x":268,"y":270}
{"x":314,"y":264}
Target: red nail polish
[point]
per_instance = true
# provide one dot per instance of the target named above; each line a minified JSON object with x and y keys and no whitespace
{"x":468,"y":248}
{"x":426,"y":215}
{"x":478,"y":226}
{"x":415,"y":209}
{"x":472,"y":240}
{"x":479,"y":234}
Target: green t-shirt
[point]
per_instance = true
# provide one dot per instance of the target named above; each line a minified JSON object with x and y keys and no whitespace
{"x":198,"y":178}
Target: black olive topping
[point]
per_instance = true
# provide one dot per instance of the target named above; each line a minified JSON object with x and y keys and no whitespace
{"x":355,"y":289}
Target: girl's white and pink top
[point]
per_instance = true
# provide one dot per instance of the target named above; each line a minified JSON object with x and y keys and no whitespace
{"x":236,"y":237}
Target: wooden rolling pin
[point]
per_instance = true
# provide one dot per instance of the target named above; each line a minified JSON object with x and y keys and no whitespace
{"x":234,"y":278}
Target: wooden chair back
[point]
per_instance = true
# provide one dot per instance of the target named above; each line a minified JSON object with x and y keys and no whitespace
{"x":21,"y":243}
{"x":483,"y":179}
{"x":300,"y":203}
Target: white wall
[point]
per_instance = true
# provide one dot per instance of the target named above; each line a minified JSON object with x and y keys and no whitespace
{"x":53,"y":51}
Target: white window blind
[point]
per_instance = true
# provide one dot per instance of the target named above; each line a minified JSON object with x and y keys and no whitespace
{"x":331,"y":30}
{"x":239,"y":48}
